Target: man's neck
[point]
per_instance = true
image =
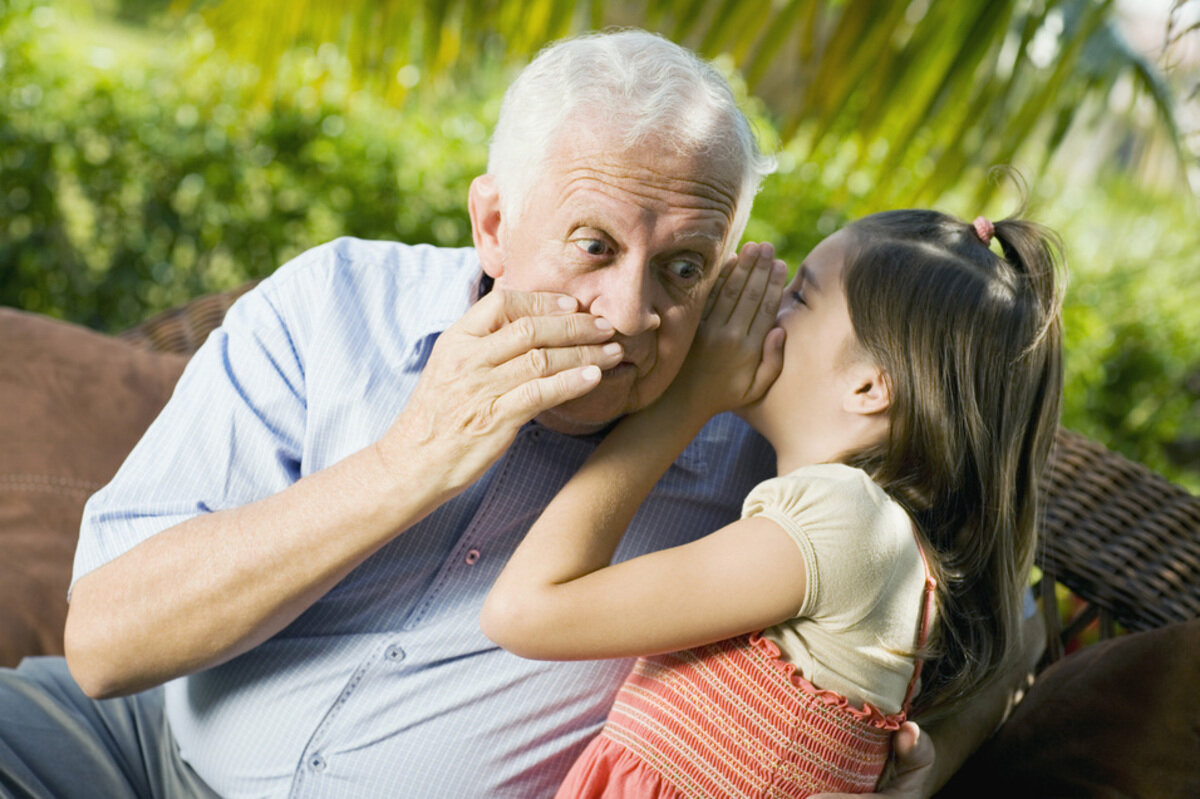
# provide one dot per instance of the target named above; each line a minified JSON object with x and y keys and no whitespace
{"x":568,"y":427}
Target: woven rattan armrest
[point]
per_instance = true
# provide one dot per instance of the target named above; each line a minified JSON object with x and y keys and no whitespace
{"x":183,"y":329}
{"x":1121,"y":537}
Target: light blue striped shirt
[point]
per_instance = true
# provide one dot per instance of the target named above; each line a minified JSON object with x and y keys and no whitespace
{"x":385,"y":687}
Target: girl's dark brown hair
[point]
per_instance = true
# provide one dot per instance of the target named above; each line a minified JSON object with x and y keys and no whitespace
{"x":972,"y":346}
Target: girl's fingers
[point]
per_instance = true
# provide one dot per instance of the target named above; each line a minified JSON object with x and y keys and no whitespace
{"x":771,"y":364}
{"x":731,"y":292}
{"x":718,"y":286}
{"x":755,"y":299}
{"x":764,"y":320}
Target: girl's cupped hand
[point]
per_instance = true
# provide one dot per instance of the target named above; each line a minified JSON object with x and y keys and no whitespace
{"x":738,"y":349}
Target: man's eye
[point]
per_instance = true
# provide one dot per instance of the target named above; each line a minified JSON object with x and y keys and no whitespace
{"x":798,"y":297}
{"x":592,"y":246}
{"x":688,"y":271}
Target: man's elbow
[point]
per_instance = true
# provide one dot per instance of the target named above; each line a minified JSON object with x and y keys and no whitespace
{"x":84,"y":665}
{"x":89,"y":660}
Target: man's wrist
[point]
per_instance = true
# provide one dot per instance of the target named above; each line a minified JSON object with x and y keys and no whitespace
{"x":396,"y":488}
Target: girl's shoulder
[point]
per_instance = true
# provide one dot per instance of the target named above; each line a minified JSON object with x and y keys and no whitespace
{"x":834,"y":483}
{"x":835,"y":503}
{"x":858,"y":543}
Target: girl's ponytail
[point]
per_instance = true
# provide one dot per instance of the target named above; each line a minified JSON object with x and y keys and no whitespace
{"x":1036,"y":251}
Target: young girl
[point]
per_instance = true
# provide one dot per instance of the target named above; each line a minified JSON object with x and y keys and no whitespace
{"x":911,"y":413}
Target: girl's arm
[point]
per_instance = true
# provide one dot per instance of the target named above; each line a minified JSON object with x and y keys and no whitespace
{"x":559,"y":598}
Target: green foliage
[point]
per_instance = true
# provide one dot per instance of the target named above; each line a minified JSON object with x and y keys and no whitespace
{"x":910,"y":96}
{"x":1131,"y":317}
{"x":133,"y":183}
{"x":137,"y":174}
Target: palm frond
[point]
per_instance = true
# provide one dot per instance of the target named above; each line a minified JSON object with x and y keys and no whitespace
{"x":913,"y":97}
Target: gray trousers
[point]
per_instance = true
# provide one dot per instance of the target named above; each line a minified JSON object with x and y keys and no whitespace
{"x":56,"y":743}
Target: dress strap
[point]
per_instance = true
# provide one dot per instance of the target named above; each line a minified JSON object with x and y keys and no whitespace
{"x":927,"y":600}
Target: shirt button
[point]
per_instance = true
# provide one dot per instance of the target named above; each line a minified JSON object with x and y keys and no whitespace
{"x":472,"y":557}
{"x":316,"y":763}
{"x":394,"y":653}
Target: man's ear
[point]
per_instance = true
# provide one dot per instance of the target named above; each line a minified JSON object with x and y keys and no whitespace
{"x":869,"y":391}
{"x":483,"y":205}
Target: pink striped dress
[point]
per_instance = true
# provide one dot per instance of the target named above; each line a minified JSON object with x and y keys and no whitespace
{"x":733,"y":719}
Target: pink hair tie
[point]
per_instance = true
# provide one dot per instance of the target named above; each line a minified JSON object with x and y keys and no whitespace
{"x":984,"y":229}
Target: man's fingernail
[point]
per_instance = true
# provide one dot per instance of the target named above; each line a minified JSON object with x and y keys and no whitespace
{"x":567,"y":303}
{"x":612,"y":348}
{"x":590,"y":374}
{"x":603,"y":324}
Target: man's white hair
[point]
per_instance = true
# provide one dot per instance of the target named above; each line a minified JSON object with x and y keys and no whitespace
{"x":643,"y":87}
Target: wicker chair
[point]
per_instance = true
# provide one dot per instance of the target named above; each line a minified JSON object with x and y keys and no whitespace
{"x":183,"y":329}
{"x":1121,"y":538}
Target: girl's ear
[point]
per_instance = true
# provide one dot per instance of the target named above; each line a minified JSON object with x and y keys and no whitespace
{"x":483,"y":206}
{"x":870,"y":393}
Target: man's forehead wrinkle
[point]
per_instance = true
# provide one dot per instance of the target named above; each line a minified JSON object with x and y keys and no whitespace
{"x":673,"y":198}
{"x":645,"y":176}
{"x":671,"y":181}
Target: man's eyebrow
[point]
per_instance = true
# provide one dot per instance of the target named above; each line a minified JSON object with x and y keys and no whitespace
{"x":594,"y":223}
{"x":692,"y":235}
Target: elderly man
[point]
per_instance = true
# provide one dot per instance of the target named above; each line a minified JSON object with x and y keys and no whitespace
{"x":299,"y":546}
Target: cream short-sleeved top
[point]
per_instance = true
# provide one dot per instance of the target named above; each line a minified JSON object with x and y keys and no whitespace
{"x":857,"y":627}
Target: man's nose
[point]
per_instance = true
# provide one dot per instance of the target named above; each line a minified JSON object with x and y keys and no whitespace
{"x":626,"y":297}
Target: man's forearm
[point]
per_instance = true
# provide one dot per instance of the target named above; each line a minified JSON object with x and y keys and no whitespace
{"x":155,"y":613}
{"x":210,"y":588}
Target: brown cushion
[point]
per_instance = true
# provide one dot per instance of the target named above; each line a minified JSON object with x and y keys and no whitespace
{"x":74,"y":402}
{"x":1119,"y":718}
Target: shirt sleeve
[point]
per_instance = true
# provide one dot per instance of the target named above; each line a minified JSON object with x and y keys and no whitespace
{"x":849,"y":533}
{"x":233,"y":429}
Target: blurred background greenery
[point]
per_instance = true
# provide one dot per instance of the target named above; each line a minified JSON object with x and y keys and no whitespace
{"x":151,"y":152}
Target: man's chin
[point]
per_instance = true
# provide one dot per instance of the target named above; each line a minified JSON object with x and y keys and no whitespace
{"x":592,"y":412}
{"x":576,"y":421}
